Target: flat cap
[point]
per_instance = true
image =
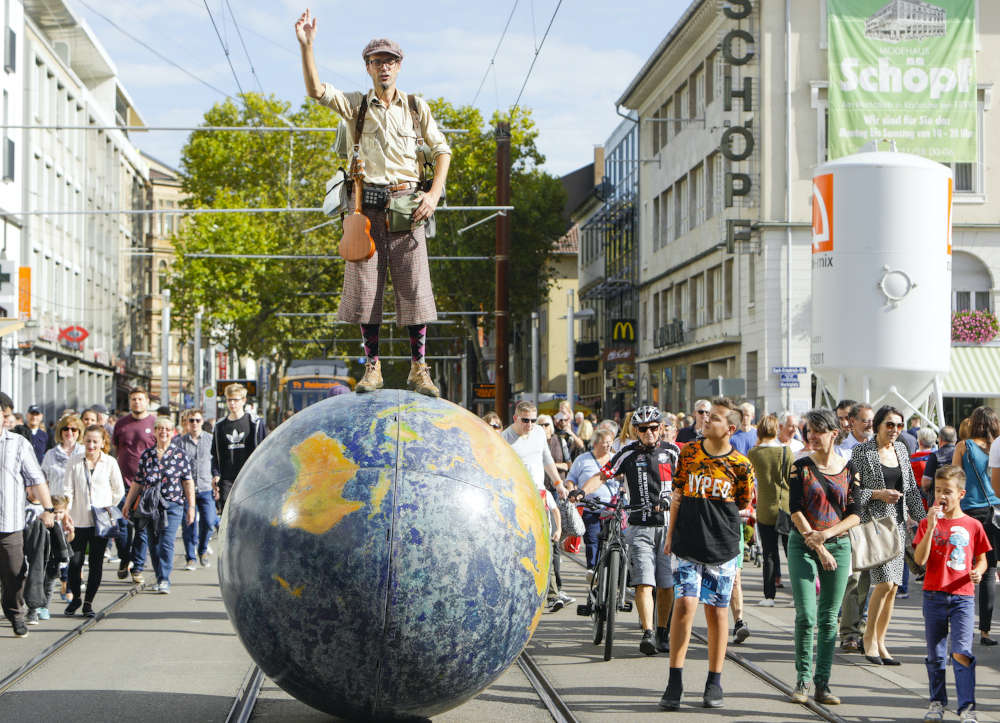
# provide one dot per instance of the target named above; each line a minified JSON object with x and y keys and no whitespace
{"x":382,"y":45}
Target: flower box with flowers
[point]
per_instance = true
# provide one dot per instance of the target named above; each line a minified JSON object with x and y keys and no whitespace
{"x":974,"y":327}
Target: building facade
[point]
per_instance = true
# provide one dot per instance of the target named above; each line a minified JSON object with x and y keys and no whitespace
{"x":85,"y":339}
{"x":609,"y":277}
{"x":725,"y":230}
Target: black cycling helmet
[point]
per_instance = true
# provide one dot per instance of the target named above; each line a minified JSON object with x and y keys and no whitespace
{"x":646,"y":414}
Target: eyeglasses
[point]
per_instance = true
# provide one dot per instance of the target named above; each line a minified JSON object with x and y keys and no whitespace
{"x":496,"y":426}
{"x":648,"y":428}
{"x":529,"y":420}
{"x":893,"y":425}
{"x":383,"y":63}
{"x":702,"y":411}
{"x":71,"y":430}
{"x":196,"y":421}
{"x":544,"y":424}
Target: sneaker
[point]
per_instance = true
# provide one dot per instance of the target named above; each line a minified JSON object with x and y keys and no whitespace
{"x":646,"y":645}
{"x":163,"y":588}
{"x":801,"y":692}
{"x":88,"y":610}
{"x":935,"y":711}
{"x":662,"y":640}
{"x":420,"y":380}
{"x":671,"y":699}
{"x":20,"y":629}
{"x":32,"y":617}
{"x":73,"y":607}
{"x":969,"y":715}
{"x":203,"y":560}
{"x":713,"y":696}
{"x":556,"y":605}
{"x":208,"y":550}
{"x":137,"y":578}
{"x":824,"y":696}
{"x":740,"y":632}
{"x":372,"y":379}
{"x":123,"y":570}
{"x":567,"y":599}
{"x":850,"y":646}
{"x":189,"y":565}
{"x":44,"y":614}
{"x":766,"y":603}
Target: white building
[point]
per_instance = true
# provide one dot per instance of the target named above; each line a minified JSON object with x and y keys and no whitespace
{"x":85,"y":335}
{"x":725,"y":241}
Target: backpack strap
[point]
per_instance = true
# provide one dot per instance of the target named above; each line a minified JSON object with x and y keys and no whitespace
{"x":411,"y":101}
{"x":359,"y":124}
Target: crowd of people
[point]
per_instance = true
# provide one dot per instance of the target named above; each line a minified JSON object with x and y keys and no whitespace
{"x":68,"y":492}
{"x":860,"y":500}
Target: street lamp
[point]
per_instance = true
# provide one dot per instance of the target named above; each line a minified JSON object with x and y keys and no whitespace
{"x":571,"y":317}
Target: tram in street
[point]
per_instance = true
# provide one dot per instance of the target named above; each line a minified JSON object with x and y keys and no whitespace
{"x":308,"y":381}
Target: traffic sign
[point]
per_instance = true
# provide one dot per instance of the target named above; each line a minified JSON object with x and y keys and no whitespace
{"x":793,"y":384}
{"x":788,"y":370}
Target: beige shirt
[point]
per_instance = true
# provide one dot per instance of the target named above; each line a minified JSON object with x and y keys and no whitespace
{"x":106,"y":487}
{"x":388,"y":140}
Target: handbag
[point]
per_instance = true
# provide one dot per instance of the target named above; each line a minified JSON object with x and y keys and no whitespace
{"x":783,"y":525}
{"x":105,"y":518}
{"x":995,"y":515}
{"x":874,"y":543}
{"x":335,"y":200}
{"x":572,"y":522}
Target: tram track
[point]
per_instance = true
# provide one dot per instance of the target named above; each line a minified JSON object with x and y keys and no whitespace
{"x":12,"y":678}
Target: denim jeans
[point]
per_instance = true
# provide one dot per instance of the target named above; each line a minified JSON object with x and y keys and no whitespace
{"x":592,"y":525}
{"x":812,"y":615}
{"x":769,"y":539}
{"x":162,"y":545}
{"x":197,"y":533}
{"x":943,"y":611}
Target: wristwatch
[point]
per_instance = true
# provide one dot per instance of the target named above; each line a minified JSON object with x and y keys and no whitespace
{"x":50,"y":509}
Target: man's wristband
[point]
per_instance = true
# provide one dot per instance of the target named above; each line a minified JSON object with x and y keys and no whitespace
{"x":50,"y":509}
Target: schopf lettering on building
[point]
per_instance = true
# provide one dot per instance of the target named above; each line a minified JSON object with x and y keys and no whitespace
{"x":739,"y":46}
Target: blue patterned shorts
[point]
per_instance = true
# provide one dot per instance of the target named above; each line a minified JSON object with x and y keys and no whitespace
{"x":712,"y":584}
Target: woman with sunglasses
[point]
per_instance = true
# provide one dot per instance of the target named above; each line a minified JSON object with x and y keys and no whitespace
{"x":493,"y":419}
{"x":68,"y":433}
{"x":972,"y":455}
{"x":887,"y":488}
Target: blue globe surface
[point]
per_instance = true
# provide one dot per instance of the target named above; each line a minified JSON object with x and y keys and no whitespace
{"x":384,"y":555}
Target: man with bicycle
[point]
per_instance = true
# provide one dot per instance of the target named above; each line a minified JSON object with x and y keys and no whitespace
{"x":647,"y":467}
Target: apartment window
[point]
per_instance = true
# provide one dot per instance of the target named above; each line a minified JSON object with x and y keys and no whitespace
{"x":665,"y":110}
{"x":656,"y":223}
{"x":711,"y":284}
{"x":694,"y":307}
{"x":750,"y":374}
{"x":667,"y":216}
{"x":751,"y":278}
{"x":710,"y":78}
{"x":971,"y":282}
{"x":680,"y":104}
{"x":645,"y":320}
{"x":656,"y":310}
{"x":680,"y":301}
{"x":654,"y":133}
{"x":728,"y":269}
{"x":697,"y":193}
{"x":698,"y":93}
{"x":681,"y":207}
{"x":10,"y":50}
{"x":8,"y":142}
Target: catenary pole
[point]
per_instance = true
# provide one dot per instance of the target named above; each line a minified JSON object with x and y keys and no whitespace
{"x":502,"y":261}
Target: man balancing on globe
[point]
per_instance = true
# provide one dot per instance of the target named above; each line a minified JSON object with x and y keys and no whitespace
{"x":395,"y":136}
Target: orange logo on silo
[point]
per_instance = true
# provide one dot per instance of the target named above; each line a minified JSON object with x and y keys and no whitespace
{"x":822,"y":225}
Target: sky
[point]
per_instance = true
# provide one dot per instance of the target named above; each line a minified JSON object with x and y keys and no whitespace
{"x":592,"y":51}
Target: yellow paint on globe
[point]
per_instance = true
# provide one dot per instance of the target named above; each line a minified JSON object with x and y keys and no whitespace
{"x":316,"y":501}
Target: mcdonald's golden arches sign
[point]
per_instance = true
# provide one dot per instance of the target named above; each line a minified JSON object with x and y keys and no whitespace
{"x":623,"y":330}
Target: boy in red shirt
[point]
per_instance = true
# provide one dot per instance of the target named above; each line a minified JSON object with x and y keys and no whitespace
{"x":953,"y":546}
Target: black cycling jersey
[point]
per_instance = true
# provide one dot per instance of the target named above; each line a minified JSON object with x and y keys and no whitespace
{"x":649,"y":473}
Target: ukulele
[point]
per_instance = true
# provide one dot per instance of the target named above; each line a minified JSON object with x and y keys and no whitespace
{"x":357,"y":243}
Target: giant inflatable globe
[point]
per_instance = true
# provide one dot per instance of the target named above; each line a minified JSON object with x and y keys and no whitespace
{"x":384,"y":555}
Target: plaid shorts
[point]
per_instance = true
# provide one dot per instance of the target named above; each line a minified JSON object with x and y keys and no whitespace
{"x":712,"y":584}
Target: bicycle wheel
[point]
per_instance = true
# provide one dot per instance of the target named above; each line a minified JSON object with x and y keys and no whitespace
{"x":597,"y":601}
{"x":611,"y":601}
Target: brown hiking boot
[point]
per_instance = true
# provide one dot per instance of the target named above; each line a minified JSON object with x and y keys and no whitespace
{"x":420,"y":380}
{"x":372,"y":379}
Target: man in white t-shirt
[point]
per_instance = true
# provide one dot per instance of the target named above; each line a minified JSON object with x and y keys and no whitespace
{"x":531,"y":445}
{"x":789,"y":424}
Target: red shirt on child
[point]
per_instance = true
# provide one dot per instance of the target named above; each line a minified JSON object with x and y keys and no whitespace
{"x":954,"y":547}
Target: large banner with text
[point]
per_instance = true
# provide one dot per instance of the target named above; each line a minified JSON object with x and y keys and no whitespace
{"x":903,"y":71}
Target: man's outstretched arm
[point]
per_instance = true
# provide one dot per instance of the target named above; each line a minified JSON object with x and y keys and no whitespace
{"x":305,"y":31}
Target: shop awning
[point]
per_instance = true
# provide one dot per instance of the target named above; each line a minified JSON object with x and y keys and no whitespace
{"x":975,"y":372}
{"x":8,"y":326}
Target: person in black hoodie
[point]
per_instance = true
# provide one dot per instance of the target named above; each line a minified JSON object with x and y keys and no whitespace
{"x":233,"y":440}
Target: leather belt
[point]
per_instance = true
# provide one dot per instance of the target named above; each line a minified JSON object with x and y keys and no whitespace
{"x":405,"y":185}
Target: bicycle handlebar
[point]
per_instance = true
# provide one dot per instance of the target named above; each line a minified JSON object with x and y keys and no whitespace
{"x":593,"y":504}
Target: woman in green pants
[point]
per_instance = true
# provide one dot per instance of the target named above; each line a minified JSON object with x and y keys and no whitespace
{"x":822,"y":506}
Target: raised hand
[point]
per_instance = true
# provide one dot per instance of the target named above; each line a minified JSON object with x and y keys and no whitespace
{"x":305,"y":28}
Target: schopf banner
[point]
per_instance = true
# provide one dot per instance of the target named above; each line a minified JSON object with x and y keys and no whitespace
{"x":903,"y":70}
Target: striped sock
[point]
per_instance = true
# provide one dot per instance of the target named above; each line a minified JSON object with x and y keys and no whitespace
{"x":418,"y":341}
{"x":370,"y":334}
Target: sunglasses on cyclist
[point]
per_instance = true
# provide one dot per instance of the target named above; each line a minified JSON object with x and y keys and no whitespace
{"x":648,"y":428}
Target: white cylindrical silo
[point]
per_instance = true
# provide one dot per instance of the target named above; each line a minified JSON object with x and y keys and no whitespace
{"x":881,"y":275}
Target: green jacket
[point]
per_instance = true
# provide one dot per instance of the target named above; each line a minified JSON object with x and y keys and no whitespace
{"x":772,"y":481}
